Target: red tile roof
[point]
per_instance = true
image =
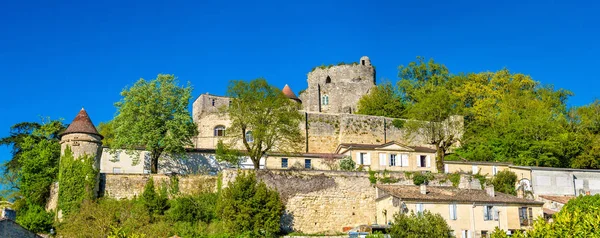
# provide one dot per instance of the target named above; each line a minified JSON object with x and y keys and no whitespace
{"x":289,"y":93}
{"x":559,"y":199}
{"x":81,"y":124}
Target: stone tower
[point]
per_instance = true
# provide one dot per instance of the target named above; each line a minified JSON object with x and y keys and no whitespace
{"x":83,"y":138}
{"x":337,"y":89}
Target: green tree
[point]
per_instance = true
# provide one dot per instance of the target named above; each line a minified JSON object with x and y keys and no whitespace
{"x":106,"y":130}
{"x":247,"y":206}
{"x":262,"y":118}
{"x":426,"y":87}
{"x":382,"y":100}
{"x":154,"y":115}
{"x":505,"y":182}
{"x":426,"y":224}
{"x":192,"y":208}
{"x":156,"y":203}
{"x":36,"y":219}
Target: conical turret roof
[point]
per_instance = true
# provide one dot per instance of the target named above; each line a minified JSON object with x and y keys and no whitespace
{"x":81,"y":124}
{"x":289,"y":93}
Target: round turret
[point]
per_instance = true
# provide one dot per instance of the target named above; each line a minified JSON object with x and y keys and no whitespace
{"x":287,"y":91}
{"x":82,"y":137}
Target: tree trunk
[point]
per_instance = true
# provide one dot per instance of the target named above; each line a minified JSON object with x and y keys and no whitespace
{"x":256,"y":163}
{"x":154,"y":155}
{"x":439,"y":162}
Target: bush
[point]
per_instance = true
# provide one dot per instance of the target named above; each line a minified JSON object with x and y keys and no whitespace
{"x":426,"y":224}
{"x":421,"y":178}
{"x":385,"y":178}
{"x":192,"y":208}
{"x":505,"y":182}
{"x":454,"y":178}
{"x":36,"y":219}
{"x":372,"y":176}
{"x":156,"y":203}
{"x":347,"y":164}
{"x":248,"y":207}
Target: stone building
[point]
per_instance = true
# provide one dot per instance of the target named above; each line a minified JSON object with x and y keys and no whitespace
{"x":337,"y":89}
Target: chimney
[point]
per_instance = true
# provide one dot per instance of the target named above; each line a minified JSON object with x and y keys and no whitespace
{"x":9,"y":214}
{"x":490,"y":190}
{"x":423,"y":189}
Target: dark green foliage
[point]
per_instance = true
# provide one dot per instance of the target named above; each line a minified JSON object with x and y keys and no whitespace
{"x":35,"y":218}
{"x":422,"y":178}
{"x":38,"y":169}
{"x":155,"y":202}
{"x":248,"y":207}
{"x":227,"y":154}
{"x":398,"y":123}
{"x":385,"y":178}
{"x":426,"y":224}
{"x":347,"y":164}
{"x":77,"y":181}
{"x":382,"y":100}
{"x":193,"y":208}
{"x":482,"y":179}
{"x":505,"y":182}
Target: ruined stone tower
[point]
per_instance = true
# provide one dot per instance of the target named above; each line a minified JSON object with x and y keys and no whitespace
{"x":337,"y":89}
{"x":83,"y":138}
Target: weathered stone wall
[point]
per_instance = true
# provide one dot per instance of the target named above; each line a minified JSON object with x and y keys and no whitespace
{"x":120,"y":186}
{"x":82,"y":144}
{"x":325,"y":201}
{"x":344,"y":85}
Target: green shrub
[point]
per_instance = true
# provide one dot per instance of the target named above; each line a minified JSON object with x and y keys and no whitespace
{"x":35,"y":218}
{"x":422,"y":178}
{"x":505,"y":182}
{"x":77,"y":179}
{"x":192,"y":208}
{"x":156,"y":203}
{"x":398,"y":123}
{"x":372,"y":176}
{"x":385,"y":178}
{"x":248,"y":207}
{"x":454,"y":178}
{"x":347,"y":164}
{"x":426,"y":224}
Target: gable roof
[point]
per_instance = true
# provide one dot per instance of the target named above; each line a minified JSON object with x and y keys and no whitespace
{"x":450,"y":194}
{"x":81,"y":124}
{"x":392,"y":145}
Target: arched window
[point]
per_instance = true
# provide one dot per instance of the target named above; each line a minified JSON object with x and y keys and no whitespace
{"x":325,"y":100}
{"x":219,"y":130}
{"x":249,"y":137}
{"x":328,"y":80}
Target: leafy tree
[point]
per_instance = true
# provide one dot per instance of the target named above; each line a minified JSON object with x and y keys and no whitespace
{"x":505,"y":182}
{"x":263,"y":111}
{"x":154,"y":115}
{"x":426,"y":224}
{"x":425,"y":86}
{"x":106,"y":130}
{"x":347,"y":164}
{"x":247,"y":206}
{"x":382,"y":100}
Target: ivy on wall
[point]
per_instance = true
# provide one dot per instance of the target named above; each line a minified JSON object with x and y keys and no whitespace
{"x":77,"y":179}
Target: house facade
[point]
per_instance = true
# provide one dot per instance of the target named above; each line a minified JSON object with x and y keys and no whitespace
{"x":470,"y":213}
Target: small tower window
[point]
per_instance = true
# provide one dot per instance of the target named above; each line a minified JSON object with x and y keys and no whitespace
{"x":249,"y":137}
{"x":363,"y":62}
{"x":213,"y":101}
{"x":220,"y":131}
{"x":325,"y":100}
{"x":328,"y":80}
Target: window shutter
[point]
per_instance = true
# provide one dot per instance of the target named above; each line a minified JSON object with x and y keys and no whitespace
{"x":485,"y":213}
{"x":451,"y":206}
{"x":468,"y":234}
{"x":495,"y":213}
{"x":419,"y":161}
{"x":428,"y":161}
{"x":404,"y":160}
{"x":367,"y":159}
{"x":381,"y":159}
{"x":357,"y":157}
{"x":446,"y":169}
{"x":475,"y":170}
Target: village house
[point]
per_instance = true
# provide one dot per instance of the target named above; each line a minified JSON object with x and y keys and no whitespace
{"x":470,"y":213}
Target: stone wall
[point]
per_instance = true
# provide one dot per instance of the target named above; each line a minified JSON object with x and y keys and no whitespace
{"x":120,"y":186}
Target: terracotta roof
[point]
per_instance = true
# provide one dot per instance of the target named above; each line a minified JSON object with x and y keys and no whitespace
{"x":81,"y":124}
{"x":289,"y":93}
{"x":560,"y":199}
{"x":549,"y":211}
{"x":451,"y":194}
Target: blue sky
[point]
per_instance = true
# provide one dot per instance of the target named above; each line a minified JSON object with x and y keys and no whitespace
{"x":59,"y":56}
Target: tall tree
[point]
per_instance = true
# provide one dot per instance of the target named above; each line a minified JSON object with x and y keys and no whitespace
{"x":154,"y":115}
{"x":263,"y":119}
{"x":106,"y":130}
{"x":427,"y":87}
{"x":382,"y":100}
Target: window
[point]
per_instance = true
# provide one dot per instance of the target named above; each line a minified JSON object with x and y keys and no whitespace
{"x":466,"y":234}
{"x":307,"y":164}
{"x":490,"y":213}
{"x":392,"y":160}
{"x":220,"y":131}
{"x":284,"y":163}
{"x":213,"y":102}
{"x":452,"y":211}
{"x":526,"y":216}
{"x":249,"y":137}
{"x":423,"y":161}
{"x":484,"y":234}
{"x":420,"y":208}
{"x":325,"y":99}
{"x":116,"y":170}
{"x":328,"y":80}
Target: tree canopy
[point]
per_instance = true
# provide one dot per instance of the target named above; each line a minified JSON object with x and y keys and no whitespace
{"x":263,"y":119}
{"x":382,"y":100}
{"x":154,"y":115}
{"x":426,"y":224}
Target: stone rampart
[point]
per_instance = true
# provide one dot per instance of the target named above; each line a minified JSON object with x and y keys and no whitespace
{"x":121,"y":186}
